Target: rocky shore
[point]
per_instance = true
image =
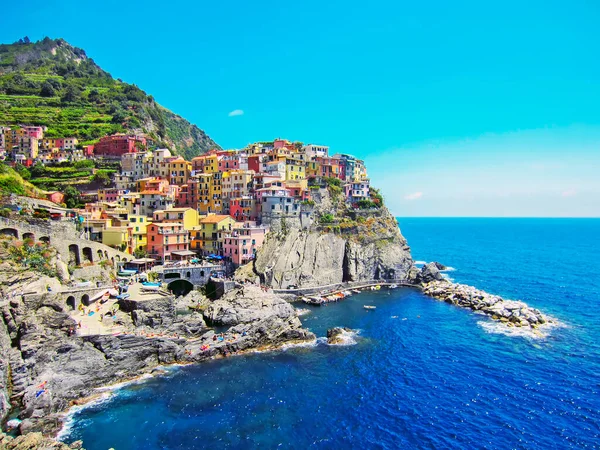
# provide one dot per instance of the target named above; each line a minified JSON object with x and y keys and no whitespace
{"x":512,"y":313}
{"x":45,"y":368}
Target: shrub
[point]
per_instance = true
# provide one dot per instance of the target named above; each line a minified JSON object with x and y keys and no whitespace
{"x":326,"y":218}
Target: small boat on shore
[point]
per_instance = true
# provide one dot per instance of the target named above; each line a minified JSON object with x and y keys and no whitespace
{"x":369,"y":307}
{"x":393,"y":286}
{"x":356,"y":291}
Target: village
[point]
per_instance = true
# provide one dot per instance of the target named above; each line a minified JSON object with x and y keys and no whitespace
{"x":162,"y":209}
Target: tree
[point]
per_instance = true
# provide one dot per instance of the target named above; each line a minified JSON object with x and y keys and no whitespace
{"x":72,"y":197}
{"x":26,"y":40}
{"x":23,"y":171}
{"x":72,"y":94}
{"x":101,"y":177}
{"x":47,"y":90}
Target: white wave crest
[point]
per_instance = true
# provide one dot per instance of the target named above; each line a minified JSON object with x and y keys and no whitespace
{"x":448,"y":269}
{"x":541,"y":332}
{"x":303,"y":312}
{"x":420,"y":263}
{"x":347,"y":338}
{"x":306,"y":344}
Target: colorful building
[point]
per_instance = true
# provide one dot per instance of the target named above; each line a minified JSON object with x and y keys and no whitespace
{"x":241,"y":244}
{"x":167,"y":241}
{"x":118,"y":144}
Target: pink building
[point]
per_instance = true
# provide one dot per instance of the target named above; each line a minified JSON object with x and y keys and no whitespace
{"x":167,"y":241}
{"x":34,"y":132}
{"x":56,"y":197}
{"x":243,"y":243}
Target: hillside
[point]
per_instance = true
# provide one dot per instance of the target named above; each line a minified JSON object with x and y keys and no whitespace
{"x":52,"y":83}
{"x":11,"y":182}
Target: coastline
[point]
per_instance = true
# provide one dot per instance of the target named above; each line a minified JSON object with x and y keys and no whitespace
{"x":105,"y":392}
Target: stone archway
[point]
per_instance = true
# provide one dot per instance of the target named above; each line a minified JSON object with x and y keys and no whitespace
{"x":29,"y":236}
{"x":74,"y":257}
{"x":100,"y":255}
{"x":10,"y":232}
{"x":85,"y":299}
{"x":71,"y":302}
{"x":118,"y":258}
{"x":180,"y":287}
{"x":88,"y":254}
{"x":105,"y":254}
{"x":45,"y":240}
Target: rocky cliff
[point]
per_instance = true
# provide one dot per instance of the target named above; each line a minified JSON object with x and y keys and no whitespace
{"x":350,"y":245}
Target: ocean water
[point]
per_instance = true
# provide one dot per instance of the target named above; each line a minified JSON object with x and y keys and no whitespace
{"x":418,"y":373}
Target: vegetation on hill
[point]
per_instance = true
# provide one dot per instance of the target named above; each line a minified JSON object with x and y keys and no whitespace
{"x":52,"y":83}
{"x":11,"y":182}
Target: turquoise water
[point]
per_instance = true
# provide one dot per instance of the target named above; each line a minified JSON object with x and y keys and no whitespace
{"x":422,"y":373}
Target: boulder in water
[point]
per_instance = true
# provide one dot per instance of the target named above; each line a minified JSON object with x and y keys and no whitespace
{"x":336,"y":335}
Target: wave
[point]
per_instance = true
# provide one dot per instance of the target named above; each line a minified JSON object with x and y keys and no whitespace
{"x":293,"y":345}
{"x":106,"y":394}
{"x":448,"y":277}
{"x":302,"y":312}
{"x":448,"y":269}
{"x":541,"y":332}
{"x":347,"y":338}
{"x":420,"y":263}
{"x":69,"y":419}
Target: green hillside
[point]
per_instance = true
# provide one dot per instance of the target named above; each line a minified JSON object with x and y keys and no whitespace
{"x":11,"y":182}
{"x":52,"y":83}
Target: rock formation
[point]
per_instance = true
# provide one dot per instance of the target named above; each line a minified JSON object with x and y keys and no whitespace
{"x":359,"y":246}
{"x":337,"y":335}
{"x":45,"y":368}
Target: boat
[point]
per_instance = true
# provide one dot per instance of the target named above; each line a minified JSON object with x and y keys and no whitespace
{"x":377,"y":287}
{"x":369,"y":307}
{"x":393,"y":286}
{"x":356,"y":291}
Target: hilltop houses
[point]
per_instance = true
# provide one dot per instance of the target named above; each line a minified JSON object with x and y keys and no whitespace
{"x":219,"y":204}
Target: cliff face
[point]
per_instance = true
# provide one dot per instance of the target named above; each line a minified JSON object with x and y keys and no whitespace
{"x":366,"y":247}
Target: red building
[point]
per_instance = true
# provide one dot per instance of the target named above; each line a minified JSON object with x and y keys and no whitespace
{"x":118,"y":144}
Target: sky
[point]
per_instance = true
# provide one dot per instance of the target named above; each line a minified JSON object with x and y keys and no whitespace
{"x":464,"y":108}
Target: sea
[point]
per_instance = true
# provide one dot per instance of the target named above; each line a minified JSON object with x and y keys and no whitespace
{"x":414,"y":373}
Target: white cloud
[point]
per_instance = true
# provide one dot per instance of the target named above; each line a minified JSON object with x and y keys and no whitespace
{"x":569,"y":193}
{"x":413,"y":196}
{"x":236,"y":112}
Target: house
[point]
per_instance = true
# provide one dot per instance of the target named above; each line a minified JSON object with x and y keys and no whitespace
{"x":116,"y":237}
{"x":188,"y":217}
{"x":241,"y":244}
{"x":138,"y":232}
{"x":205,"y":237}
{"x":55,"y":197}
{"x":167,"y":241}
{"x":118,"y":144}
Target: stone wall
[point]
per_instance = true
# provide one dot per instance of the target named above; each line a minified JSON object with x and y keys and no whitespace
{"x":63,"y":236}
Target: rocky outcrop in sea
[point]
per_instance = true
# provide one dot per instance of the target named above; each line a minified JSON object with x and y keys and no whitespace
{"x":512,"y":313}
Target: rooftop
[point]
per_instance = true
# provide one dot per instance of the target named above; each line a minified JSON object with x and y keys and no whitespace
{"x":214,"y":219}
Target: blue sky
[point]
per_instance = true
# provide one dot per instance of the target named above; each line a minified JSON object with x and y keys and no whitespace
{"x":463,"y":108}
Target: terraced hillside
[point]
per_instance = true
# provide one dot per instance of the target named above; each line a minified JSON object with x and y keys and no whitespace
{"x":52,"y":83}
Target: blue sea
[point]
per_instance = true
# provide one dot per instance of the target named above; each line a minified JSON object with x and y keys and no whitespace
{"x":420,"y":373}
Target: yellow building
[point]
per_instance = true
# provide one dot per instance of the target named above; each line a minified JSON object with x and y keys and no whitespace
{"x":313,"y":169}
{"x":205,"y":237}
{"x":179,"y":171}
{"x":209,"y":193}
{"x":295,"y":169}
{"x":188,"y":217}
{"x":137,"y":237}
{"x":116,"y":237}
